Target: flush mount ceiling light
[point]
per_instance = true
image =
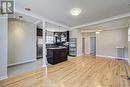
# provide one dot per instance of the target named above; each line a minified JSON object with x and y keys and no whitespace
{"x":75,"y":11}
{"x":97,"y":32}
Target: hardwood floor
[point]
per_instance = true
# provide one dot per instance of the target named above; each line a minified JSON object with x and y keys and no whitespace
{"x":85,"y":71}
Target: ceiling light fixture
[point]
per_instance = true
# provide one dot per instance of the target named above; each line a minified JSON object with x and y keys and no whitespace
{"x":75,"y":11}
{"x":97,"y":32}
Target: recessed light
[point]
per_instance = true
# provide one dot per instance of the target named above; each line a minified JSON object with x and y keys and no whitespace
{"x":28,"y":9}
{"x":97,"y":32}
{"x":75,"y":11}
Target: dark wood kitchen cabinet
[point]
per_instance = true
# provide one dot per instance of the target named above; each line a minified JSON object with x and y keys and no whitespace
{"x":56,"y":55}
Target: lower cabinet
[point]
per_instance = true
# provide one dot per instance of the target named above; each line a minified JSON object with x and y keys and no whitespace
{"x":56,"y":55}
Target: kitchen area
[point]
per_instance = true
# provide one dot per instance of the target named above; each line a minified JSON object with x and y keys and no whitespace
{"x":26,"y":45}
{"x":58,"y":45}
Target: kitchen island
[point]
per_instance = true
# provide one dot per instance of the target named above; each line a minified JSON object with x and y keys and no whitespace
{"x":56,"y":55}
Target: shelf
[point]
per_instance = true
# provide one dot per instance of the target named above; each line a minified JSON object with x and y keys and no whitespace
{"x":72,"y":47}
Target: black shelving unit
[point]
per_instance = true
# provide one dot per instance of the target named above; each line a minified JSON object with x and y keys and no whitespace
{"x":72,"y":47}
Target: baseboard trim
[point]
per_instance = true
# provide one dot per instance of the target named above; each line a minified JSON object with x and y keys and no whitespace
{"x":92,"y":52}
{"x":3,"y":77}
{"x":129,"y":61}
{"x":87,"y":53}
{"x":44,"y":66}
{"x":23,"y":62}
{"x":111,"y":57}
{"x":79,"y":54}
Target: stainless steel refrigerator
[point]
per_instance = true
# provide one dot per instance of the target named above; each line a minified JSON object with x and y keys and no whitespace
{"x":39,"y":47}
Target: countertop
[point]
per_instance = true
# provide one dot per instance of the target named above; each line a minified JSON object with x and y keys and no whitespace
{"x":57,"y":48}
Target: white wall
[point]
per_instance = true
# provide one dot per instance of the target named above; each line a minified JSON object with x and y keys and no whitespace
{"x":129,"y":52}
{"x":22,"y":42}
{"x":107,"y":41}
{"x":129,"y":42}
{"x":3,"y":47}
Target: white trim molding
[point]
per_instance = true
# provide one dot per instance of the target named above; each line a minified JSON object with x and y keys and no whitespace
{"x":68,"y":27}
{"x":23,"y":62}
{"x":104,"y":56}
{"x":79,"y":55}
{"x":129,"y":61}
{"x":3,"y":77}
{"x":39,"y":17}
{"x":103,"y":21}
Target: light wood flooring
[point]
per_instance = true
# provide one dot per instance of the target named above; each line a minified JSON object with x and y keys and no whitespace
{"x":84,"y":71}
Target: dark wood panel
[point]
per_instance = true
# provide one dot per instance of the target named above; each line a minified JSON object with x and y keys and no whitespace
{"x":39,"y":32}
{"x":55,"y":56}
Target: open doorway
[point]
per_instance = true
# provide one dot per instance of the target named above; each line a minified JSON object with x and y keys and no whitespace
{"x":83,"y":46}
{"x":93,"y":46}
{"x":89,"y":43}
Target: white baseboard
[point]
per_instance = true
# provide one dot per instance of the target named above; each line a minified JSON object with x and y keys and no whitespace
{"x":105,"y":56}
{"x":87,"y":53}
{"x":3,"y":77}
{"x":92,"y":52}
{"x":79,"y":54}
{"x":28,"y":61}
{"x":111,"y":57}
{"x":129,"y":61}
{"x":44,"y":65}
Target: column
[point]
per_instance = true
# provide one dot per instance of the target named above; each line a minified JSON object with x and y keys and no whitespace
{"x":44,"y":45}
{"x":3,"y":46}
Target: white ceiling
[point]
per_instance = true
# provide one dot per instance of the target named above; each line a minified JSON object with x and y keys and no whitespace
{"x":53,"y":27}
{"x":115,"y":24}
{"x":49,"y":26}
{"x":59,"y":10}
{"x":25,"y":17}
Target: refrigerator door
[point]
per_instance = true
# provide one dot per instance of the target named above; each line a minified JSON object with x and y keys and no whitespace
{"x":39,"y":47}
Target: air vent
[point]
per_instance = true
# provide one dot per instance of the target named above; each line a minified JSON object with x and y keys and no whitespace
{"x":28,"y":9}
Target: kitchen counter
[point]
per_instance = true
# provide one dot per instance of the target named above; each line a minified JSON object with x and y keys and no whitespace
{"x":56,"y":55}
{"x":57,"y":48}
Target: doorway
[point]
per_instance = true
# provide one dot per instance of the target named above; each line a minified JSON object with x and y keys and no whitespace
{"x":83,"y":46}
{"x":93,"y":46}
